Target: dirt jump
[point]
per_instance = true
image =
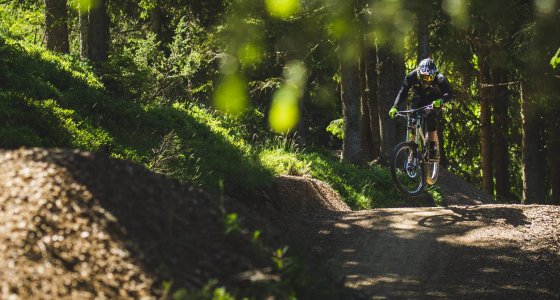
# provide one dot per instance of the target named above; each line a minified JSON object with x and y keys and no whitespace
{"x":68,"y":229}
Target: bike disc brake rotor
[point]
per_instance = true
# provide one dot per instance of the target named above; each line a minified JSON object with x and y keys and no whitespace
{"x":411,"y":168}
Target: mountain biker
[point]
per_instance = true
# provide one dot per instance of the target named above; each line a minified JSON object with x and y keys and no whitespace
{"x":429,"y":87}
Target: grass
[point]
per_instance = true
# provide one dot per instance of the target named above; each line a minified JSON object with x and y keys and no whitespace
{"x":51,"y":100}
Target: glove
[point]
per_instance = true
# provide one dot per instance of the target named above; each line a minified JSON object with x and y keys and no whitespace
{"x":393,"y":112}
{"x":438,"y":103}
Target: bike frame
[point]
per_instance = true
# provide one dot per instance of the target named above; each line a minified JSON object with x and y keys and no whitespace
{"x":415,"y":128}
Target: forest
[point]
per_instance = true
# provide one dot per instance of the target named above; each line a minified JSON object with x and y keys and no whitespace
{"x":314,"y":76}
{"x":224,"y":149}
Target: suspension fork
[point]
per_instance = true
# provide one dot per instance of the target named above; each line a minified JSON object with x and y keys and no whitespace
{"x":414,"y":134}
{"x":413,"y":131}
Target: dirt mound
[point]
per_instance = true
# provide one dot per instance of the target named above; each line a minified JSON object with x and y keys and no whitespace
{"x":457,"y":191}
{"x":82,"y":225}
{"x":295,"y":196}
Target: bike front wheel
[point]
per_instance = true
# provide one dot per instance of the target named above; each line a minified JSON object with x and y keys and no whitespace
{"x":407,"y":169}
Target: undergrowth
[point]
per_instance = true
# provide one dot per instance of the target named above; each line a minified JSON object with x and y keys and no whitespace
{"x":52,"y":100}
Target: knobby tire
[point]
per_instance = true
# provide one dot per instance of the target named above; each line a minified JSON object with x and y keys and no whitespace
{"x":397,"y":171}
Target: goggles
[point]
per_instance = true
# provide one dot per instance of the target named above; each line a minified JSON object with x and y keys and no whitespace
{"x":426,"y":78}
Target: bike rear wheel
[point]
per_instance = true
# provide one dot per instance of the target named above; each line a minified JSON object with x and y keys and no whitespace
{"x":407,"y":169}
{"x":432,"y":171}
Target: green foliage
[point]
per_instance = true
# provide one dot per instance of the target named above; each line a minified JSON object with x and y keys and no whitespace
{"x":256,"y":236}
{"x":231,"y":222}
{"x":336,"y":128}
{"x":363,"y":187}
{"x":148,"y":70}
{"x":555,"y":60}
{"x":283,"y":162}
{"x":435,"y":193}
{"x":167,"y":158}
{"x":211,"y":291}
{"x":50,"y":100}
{"x":22,"y":20}
{"x":280,"y":258}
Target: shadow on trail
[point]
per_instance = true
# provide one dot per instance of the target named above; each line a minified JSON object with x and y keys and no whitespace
{"x":487,"y":214}
{"x":440,"y":221}
{"x":433,"y":253}
{"x":511,"y":216}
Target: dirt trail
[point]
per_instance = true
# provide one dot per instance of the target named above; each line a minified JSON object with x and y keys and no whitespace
{"x":488,"y":251}
{"x":80,"y":225}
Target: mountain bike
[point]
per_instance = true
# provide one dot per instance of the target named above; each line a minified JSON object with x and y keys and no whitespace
{"x":411,"y":167}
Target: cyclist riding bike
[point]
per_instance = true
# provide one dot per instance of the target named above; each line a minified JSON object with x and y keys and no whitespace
{"x":429,"y":87}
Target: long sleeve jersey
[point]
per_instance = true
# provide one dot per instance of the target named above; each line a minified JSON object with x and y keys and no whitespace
{"x":438,"y":88}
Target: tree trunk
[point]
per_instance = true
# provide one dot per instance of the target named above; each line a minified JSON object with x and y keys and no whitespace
{"x":371,"y":94}
{"x":83,"y":21}
{"x":534,"y":187}
{"x":56,"y":26}
{"x":500,"y":129}
{"x":159,"y":26}
{"x":156,"y":21}
{"x":553,"y":157}
{"x":99,"y":32}
{"x":391,"y":74}
{"x":423,"y":20}
{"x":350,"y":95}
{"x":485,"y":124}
{"x":367,"y":136}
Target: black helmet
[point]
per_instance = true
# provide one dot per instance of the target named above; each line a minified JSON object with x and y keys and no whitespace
{"x":426,"y":71}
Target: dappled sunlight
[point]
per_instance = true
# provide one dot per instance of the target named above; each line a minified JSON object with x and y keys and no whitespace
{"x":284,"y":113}
{"x":545,"y":7}
{"x":362,"y":281}
{"x":84,"y":6}
{"x":490,"y":270}
{"x":342,"y":225}
{"x":282,"y":9}
{"x":350,"y":263}
{"x":393,"y":23}
{"x":475,"y":238}
{"x":231,"y":95}
{"x":458,"y":10}
{"x":410,"y":252}
{"x":250,"y":54}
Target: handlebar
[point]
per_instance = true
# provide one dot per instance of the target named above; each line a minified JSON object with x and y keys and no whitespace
{"x":406,"y":113}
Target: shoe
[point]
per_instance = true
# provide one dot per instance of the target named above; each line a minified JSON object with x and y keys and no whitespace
{"x":433,"y":153}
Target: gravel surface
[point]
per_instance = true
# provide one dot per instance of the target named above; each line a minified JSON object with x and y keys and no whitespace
{"x":79,"y":225}
{"x":466,"y":252}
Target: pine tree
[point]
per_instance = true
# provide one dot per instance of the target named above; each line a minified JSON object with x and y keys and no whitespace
{"x":56,"y":26}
